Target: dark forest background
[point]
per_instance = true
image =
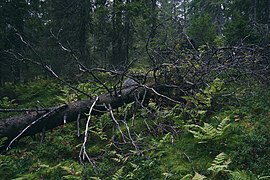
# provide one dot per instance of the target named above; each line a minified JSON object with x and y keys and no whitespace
{"x":112,"y":34}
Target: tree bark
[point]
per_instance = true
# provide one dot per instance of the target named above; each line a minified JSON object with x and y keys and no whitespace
{"x":1,"y":75}
{"x":12,"y":126}
{"x":84,"y":22}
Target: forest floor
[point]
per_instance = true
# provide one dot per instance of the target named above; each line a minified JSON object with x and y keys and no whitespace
{"x":228,"y":139}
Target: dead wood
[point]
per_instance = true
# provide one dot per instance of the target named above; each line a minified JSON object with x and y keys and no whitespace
{"x":11,"y":127}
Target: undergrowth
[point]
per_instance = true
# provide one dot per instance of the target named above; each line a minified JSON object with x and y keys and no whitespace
{"x":227,"y":138}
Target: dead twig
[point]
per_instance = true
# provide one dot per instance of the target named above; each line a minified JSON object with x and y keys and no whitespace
{"x":109,"y":108}
{"x":83,"y":154}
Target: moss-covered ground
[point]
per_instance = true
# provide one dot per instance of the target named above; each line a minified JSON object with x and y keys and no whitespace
{"x":164,"y":146}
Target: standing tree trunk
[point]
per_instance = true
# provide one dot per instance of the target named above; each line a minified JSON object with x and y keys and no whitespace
{"x":118,"y":53}
{"x":128,"y":36}
{"x":255,"y":11}
{"x":84,"y":17}
{"x":1,"y":75}
{"x":20,"y":9}
{"x":153,"y":18}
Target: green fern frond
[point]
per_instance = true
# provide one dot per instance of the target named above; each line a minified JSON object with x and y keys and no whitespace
{"x":118,"y":174}
{"x":207,"y":131}
{"x":95,"y":178}
{"x":220,"y":163}
{"x":197,"y":176}
{"x":263,"y":177}
{"x":223,"y":125}
{"x":241,"y":175}
{"x":187,"y":177}
{"x":208,"y":128}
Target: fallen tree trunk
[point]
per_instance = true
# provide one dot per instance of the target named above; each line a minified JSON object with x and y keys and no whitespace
{"x":59,"y":115}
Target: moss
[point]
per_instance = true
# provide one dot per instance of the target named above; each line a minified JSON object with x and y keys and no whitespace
{"x":160,"y":155}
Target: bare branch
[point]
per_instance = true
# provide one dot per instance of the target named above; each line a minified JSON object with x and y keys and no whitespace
{"x":83,"y":152}
{"x":116,"y":122}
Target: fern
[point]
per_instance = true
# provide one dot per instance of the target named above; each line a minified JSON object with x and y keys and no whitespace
{"x":119,"y":158}
{"x":224,"y":124}
{"x":95,"y":178}
{"x":187,"y":177}
{"x":263,"y":177}
{"x":207,"y":131}
{"x":220,"y":164}
{"x":5,"y":102}
{"x":119,"y":174}
{"x":241,"y":175}
{"x":197,"y":176}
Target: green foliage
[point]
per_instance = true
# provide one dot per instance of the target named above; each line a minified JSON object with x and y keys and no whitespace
{"x":241,"y":175}
{"x":67,"y":96}
{"x":2,"y":141}
{"x":202,"y":30}
{"x":197,"y":176}
{"x":6,"y":103}
{"x":7,"y":166}
{"x":239,"y":130}
{"x":36,"y":94}
{"x":207,"y":132}
{"x":220,"y":164}
{"x":219,"y":41}
{"x":238,"y":30}
{"x":64,"y":170}
{"x":203,"y":100}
